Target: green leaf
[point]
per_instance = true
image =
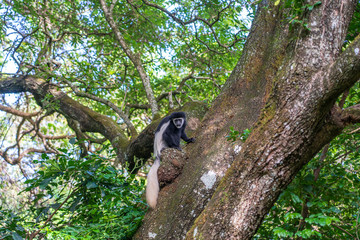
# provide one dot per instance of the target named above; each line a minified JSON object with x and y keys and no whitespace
{"x":290,"y":216}
{"x":16,"y":236}
{"x":91,"y":185}
{"x":280,"y":232}
{"x":74,"y":204}
{"x":317,"y":3}
{"x":72,"y":140}
{"x":308,"y":188}
{"x":306,"y":233}
{"x":295,"y":198}
{"x":44,"y":183}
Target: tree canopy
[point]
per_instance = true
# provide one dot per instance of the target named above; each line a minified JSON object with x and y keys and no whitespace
{"x":85,"y":83}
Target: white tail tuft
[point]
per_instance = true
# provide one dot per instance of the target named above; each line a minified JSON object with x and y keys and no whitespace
{"x":152,"y":187}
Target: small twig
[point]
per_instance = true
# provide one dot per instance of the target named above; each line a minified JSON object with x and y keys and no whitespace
{"x":158,"y":99}
{"x":345,"y":231}
{"x":354,"y":131}
{"x":51,"y":216}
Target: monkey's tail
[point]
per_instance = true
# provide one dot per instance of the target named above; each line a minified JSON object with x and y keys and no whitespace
{"x":152,"y":187}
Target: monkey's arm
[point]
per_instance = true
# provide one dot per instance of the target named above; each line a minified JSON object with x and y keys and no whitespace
{"x":185,"y":138}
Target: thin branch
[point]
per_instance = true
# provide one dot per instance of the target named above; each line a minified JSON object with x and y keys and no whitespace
{"x":17,"y":112}
{"x":108,"y":103}
{"x":354,"y":131}
{"x":15,"y":161}
{"x":57,"y":137}
{"x":206,"y":45}
{"x":190,"y":76}
{"x":134,"y":57}
{"x":33,"y":235}
{"x":196,"y":18}
{"x":158,"y":99}
{"x":345,"y":231}
{"x":207,"y":22}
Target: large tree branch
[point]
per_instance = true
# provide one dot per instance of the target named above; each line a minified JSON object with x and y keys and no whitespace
{"x":351,"y":115}
{"x":89,"y":120}
{"x":293,"y":127}
{"x":142,"y":146}
{"x":190,"y":76}
{"x":135,"y":59}
{"x":284,"y":139}
{"x":344,"y":72}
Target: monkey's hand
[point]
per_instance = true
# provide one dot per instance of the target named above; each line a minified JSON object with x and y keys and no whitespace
{"x":190,"y":140}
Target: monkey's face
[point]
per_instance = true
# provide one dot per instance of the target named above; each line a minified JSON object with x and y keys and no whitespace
{"x":178,"y":122}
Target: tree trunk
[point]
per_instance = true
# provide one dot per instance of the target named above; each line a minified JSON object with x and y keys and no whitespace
{"x":284,"y":87}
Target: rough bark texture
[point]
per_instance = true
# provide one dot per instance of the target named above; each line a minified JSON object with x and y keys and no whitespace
{"x":171,"y":167}
{"x":296,"y":123}
{"x":294,"y":77}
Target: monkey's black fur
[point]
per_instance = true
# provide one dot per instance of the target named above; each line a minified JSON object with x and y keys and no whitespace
{"x":172,"y":134}
{"x":167,"y":135}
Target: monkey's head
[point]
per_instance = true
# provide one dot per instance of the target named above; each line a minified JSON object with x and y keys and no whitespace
{"x":178,"y":118}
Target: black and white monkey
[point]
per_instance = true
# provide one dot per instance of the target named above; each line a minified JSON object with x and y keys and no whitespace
{"x":167,"y":135}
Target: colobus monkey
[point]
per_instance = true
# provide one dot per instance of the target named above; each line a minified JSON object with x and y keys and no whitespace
{"x":167,"y":135}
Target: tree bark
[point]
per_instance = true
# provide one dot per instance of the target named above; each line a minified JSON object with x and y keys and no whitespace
{"x":291,"y":79}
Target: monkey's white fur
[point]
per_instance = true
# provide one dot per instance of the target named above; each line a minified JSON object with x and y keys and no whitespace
{"x":152,"y":187}
{"x":159,"y":143}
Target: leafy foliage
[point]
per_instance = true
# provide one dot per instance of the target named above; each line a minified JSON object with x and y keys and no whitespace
{"x":78,"y":198}
{"x":77,"y":38}
{"x":297,"y":12}
{"x":323,"y":207}
{"x":235,"y":135}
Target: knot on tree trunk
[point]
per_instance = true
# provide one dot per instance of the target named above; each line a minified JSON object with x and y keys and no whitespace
{"x":172,"y":162}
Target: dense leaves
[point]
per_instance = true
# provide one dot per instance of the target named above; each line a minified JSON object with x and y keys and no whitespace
{"x":72,"y":43}
{"x":77,"y":198}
